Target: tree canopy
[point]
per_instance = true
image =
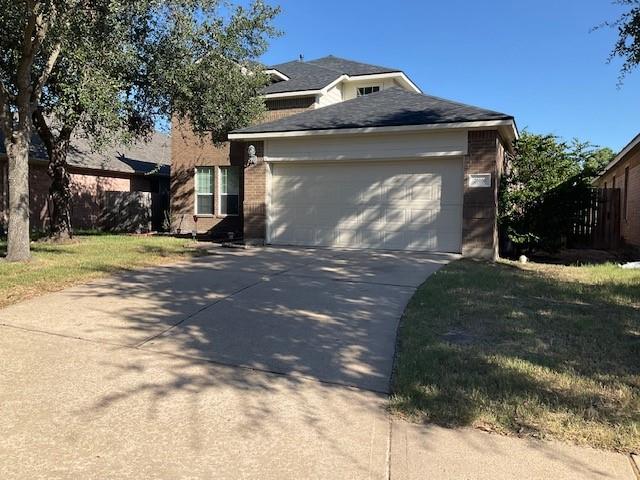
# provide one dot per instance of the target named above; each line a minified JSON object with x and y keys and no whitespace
{"x":111,"y":69}
{"x":542,"y":167}
{"x":627,"y":46}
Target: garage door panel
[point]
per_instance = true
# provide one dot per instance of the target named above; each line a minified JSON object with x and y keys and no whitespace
{"x":396,"y":216}
{"x":405,"y":205}
{"x":425,"y":188}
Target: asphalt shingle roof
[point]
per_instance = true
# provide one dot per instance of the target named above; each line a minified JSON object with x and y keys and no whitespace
{"x":350,"y":67}
{"x":153,"y":156}
{"x":387,"y":108}
{"x":303,"y":76}
{"x":317,"y":74}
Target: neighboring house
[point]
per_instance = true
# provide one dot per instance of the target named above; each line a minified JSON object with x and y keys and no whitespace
{"x":623,"y":173}
{"x":144,"y":167}
{"x":349,"y":155}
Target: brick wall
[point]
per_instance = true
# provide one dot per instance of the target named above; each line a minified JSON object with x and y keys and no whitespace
{"x":38,"y":192}
{"x":281,"y":108}
{"x":189,"y":151}
{"x":255,"y":194}
{"x":629,"y":226}
{"x":479,"y":211}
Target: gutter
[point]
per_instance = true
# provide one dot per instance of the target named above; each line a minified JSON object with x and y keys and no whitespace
{"x":506,"y":125}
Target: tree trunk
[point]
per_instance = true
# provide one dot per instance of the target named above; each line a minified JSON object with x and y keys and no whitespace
{"x":59,"y":193}
{"x":18,"y":235}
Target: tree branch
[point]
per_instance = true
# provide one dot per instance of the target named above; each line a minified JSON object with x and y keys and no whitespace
{"x":23,"y":74}
{"x":44,"y":131}
{"x":51,"y":62}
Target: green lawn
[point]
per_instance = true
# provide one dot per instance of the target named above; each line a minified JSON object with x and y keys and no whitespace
{"x":532,"y":350}
{"x":56,"y":266}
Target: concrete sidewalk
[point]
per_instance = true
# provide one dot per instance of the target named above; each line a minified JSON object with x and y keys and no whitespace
{"x":424,"y":452}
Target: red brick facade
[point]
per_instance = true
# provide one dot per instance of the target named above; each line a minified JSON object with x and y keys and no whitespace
{"x":628,"y":167}
{"x":480,"y":205}
{"x":188,"y":151}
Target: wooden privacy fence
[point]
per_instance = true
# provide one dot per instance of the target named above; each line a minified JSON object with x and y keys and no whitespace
{"x":597,"y":219}
{"x":137,"y":212}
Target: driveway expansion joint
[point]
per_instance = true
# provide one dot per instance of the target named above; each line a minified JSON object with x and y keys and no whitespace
{"x":263,"y":279}
{"x":202,"y":360}
{"x":347,"y":280}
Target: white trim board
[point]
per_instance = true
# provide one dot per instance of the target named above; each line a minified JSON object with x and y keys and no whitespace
{"x":276,"y":73}
{"x":401,"y":76}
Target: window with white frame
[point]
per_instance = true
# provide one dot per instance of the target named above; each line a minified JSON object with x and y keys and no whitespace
{"x":204,"y":190}
{"x":367,"y":90}
{"x":229,"y":190}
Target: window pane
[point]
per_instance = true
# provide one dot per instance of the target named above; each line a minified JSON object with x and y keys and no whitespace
{"x":233,"y":181}
{"x":229,"y":204}
{"x":230,"y":180}
{"x":204,"y":180}
{"x":205,"y":205}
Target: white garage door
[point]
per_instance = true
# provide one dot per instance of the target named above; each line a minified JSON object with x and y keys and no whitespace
{"x":396,"y":205}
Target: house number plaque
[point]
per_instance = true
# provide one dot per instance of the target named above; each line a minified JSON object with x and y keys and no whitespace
{"x":480,"y":180}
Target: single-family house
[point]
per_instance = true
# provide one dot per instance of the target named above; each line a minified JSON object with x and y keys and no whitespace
{"x":623,"y":173}
{"x":349,"y":155}
{"x":142,"y":167}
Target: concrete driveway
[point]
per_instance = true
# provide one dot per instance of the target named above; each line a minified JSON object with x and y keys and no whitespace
{"x":245,"y":364}
{"x":242,"y":364}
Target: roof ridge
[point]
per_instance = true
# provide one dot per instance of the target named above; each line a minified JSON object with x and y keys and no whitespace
{"x":274,"y":67}
{"x":392,"y":69}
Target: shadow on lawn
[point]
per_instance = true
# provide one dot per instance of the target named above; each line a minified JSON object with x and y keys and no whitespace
{"x":482,"y":339}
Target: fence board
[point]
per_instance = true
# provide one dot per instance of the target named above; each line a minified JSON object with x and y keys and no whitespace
{"x":597,"y":219}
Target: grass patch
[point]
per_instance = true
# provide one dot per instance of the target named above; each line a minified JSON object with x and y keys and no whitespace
{"x":533,"y":350}
{"x":56,"y":266}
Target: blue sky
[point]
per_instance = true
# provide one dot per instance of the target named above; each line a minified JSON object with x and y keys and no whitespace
{"x":535,"y":60}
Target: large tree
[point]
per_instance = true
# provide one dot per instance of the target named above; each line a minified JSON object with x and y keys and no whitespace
{"x":627,"y":46}
{"x":109,"y":70}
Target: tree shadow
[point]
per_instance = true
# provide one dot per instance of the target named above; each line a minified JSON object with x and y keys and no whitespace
{"x":533,"y":343}
{"x":268,"y":336}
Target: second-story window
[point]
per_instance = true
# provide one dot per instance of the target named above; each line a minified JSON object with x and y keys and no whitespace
{"x":367,"y":90}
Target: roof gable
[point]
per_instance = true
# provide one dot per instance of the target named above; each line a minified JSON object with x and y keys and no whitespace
{"x":317,"y":74}
{"x":303,"y":76}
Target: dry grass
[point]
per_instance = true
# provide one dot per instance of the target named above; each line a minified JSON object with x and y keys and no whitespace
{"x":57,"y":266}
{"x":534,"y":350}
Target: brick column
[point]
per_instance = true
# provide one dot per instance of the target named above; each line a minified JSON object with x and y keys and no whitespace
{"x":480,"y":207}
{"x":255,"y":193}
